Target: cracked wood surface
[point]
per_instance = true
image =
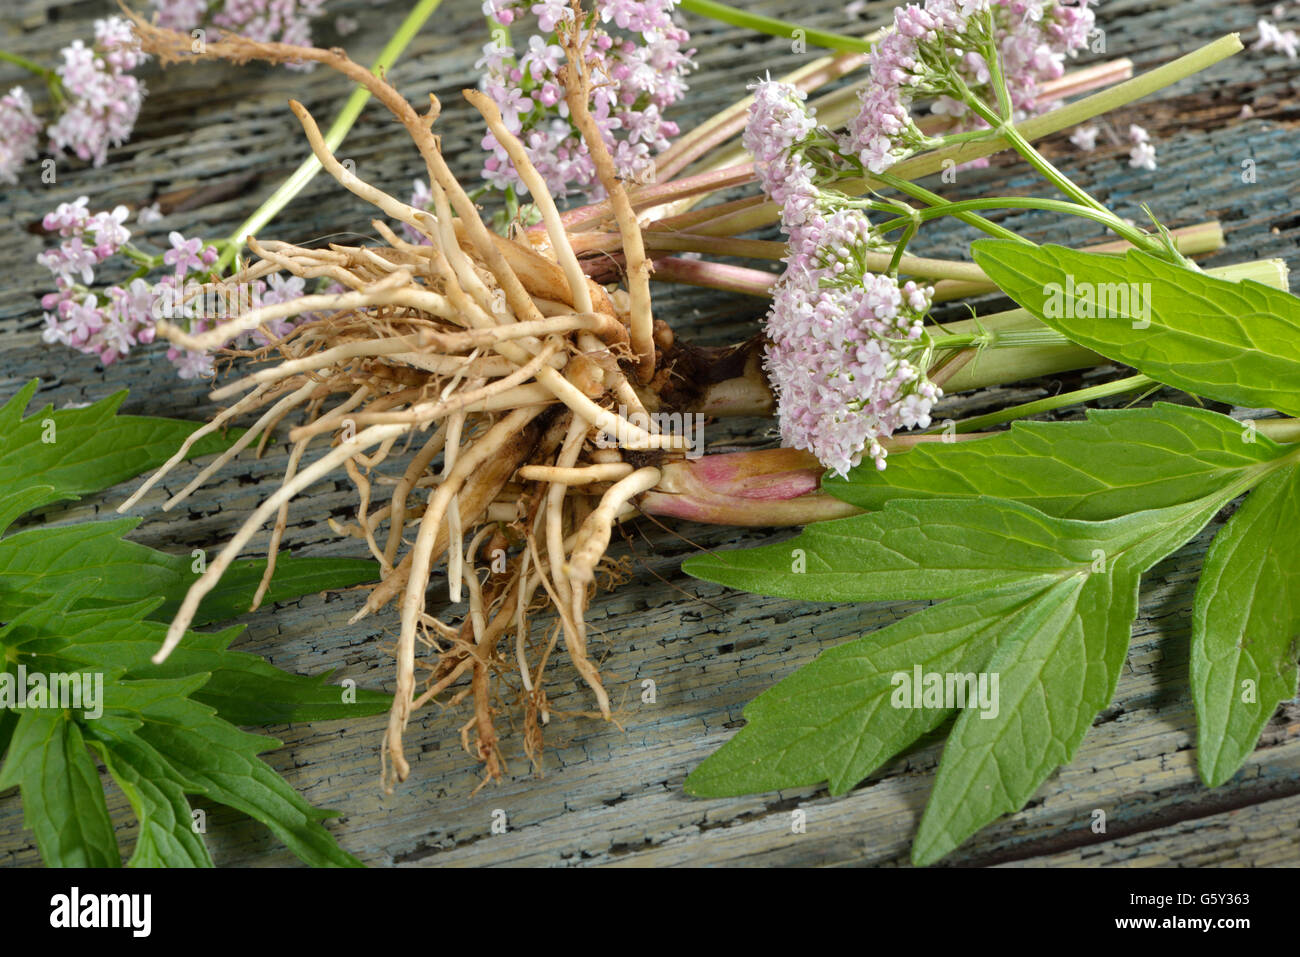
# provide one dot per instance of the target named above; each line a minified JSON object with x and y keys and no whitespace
{"x":214,"y":140}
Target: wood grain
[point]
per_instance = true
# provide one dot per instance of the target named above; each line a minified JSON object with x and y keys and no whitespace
{"x":213,"y":141}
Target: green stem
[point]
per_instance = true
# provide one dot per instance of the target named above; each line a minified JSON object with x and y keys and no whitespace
{"x":1105,"y":217}
{"x":141,"y":257}
{"x":1280,"y":430}
{"x":993,"y":58}
{"x":934,"y":199}
{"x":1036,"y":127}
{"x":30,"y":65}
{"x":1065,"y":399}
{"x":304,"y":174}
{"x":52,"y":81}
{"x":1006,"y":339}
{"x":774,"y":27}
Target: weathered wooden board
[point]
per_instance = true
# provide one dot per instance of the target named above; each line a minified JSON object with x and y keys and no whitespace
{"x":609,"y":795}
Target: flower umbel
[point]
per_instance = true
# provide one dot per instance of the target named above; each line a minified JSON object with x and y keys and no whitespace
{"x":638,"y":61}
{"x":848,"y":349}
{"x":20,"y":132}
{"x":102,"y":98}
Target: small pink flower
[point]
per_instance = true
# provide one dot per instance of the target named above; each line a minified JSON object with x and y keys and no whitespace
{"x":184,"y":254}
{"x":1085,"y":137}
{"x":1142,"y":156}
{"x":19,"y":133}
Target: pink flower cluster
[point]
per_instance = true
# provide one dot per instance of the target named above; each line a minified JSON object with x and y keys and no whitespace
{"x":20,"y":133}
{"x":776,"y":134}
{"x":848,"y":349}
{"x":936,"y":48}
{"x":283,"y":21}
{"x":108,"y":322}
{"x":103,"y":99}
{"x":637,"y":72}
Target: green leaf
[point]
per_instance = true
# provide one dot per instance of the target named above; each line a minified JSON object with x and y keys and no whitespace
{"x":832,"y":720}
{"x":942,"y":548}
{"x":223,"y":762}
{"x":1042,"y":606}
{"x":244,"y":688}
{"x":22,"y":501}
{"x":1056,"y":668}
{"x":294,"y":577}
{"x":1113,"y":463}
{"x":38,"y":562}
{"x":8,"y":720}
{"x":167,"y":837}
{"x":78,"y":451}
{"x":1246,"y":626}
{"x":1236,"y":342}
{"x":80,"y":598}
{"x":63,"y":800}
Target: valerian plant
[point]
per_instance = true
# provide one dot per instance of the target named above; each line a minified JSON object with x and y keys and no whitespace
{"x":1037,"y":538}
{"x":81,"y":602}
{"x":529,"y":376}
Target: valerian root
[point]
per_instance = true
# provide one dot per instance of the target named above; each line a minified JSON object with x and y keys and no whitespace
{"x":499,"y":363}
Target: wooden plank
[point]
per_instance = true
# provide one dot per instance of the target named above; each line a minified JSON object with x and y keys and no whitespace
{"x":610,"y":796}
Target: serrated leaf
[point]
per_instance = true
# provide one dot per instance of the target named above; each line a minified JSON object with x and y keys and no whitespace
{"x":245,"y":689}
{"x":832,"y":720}
{"x":63,"y":801}
{"x":39,"y":562}
{"x":1246,"y":626}
{"x":223,"y":761}
{"x":1056,"y":668}
{"x":1113,"y":463}
{"x":295,"y":576}
{"x":21,"y":501}
{"x":1236,"y":342}
{"x":167,"y":837}
{"x":942,"y":548}
{"x":1060,"y":595}
{"x":78,"y":451}
{"x":81,"y":598}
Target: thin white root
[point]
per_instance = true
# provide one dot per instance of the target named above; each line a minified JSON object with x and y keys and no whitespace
{"x":317,"y":470}
{"x":575,"y":476}
{"x":377,"y":294}
{"x":281,"y":408}
{"x":595,"y":533}
{"x":218,"y":420}
{"x":364,"y":348}
{"x":421,"y":556}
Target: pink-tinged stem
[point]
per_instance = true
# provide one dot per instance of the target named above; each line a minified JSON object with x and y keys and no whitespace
{"x":585,"y":217}
{"x":1087,"y":79}
{"x":836,"y":108}
{"x":768,"y":488}
{"x":967,"y":279}
{"x":685,"y":242}
{"x":724,"y":276}
{"x":731,"y":222}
